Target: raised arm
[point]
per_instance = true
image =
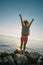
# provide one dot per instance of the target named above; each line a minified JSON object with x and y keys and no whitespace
{"x":31,"y":22}
{"x":21,"y":18}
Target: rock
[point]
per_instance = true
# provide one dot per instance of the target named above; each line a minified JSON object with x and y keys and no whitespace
{"x":21,"y":60}
{"x":0,"y":60}
{"x":34,"y":55}
{"x":3,"y":54}
{"x":5,"y":59}
{"x":41,"y":61}
{"x":17,"y":51}
{"x":10,"y":60}
{"x":30,"y":58}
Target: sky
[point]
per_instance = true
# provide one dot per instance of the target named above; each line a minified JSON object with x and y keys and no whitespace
{"x":10,"y":23}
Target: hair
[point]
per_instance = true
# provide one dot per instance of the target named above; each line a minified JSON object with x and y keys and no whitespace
{"x":26,"y":22}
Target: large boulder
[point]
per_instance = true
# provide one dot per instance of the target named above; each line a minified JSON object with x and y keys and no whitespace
{"x":21,"y":60}
{"x":33,"y":57}
{"x":34,"y":54}
{"x":9,"y":60}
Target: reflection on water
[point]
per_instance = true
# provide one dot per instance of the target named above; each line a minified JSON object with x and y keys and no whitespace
{"x":10,"y":44}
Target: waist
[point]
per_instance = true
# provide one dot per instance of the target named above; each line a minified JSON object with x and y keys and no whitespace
{"x":24,"y":36}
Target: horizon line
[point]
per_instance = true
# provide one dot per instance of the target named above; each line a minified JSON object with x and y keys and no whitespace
{"x":11,"y":36}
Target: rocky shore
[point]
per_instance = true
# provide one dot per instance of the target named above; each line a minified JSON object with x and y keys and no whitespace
{"x":30,"y":58}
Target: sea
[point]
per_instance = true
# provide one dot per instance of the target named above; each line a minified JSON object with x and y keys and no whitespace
{"x":10,"y":44}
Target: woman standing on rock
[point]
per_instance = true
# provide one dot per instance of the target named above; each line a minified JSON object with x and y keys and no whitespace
{"x":25,"y":33}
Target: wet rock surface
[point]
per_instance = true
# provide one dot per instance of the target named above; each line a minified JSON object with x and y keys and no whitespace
{"x":30,"y":58}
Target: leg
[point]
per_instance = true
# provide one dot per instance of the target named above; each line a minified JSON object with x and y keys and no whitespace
{"x":24,"y":47}
{"x":25,"y":42}
{"x":21,"y":47}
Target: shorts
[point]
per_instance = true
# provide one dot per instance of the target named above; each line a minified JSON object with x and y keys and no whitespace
{"x":24,"y":38}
